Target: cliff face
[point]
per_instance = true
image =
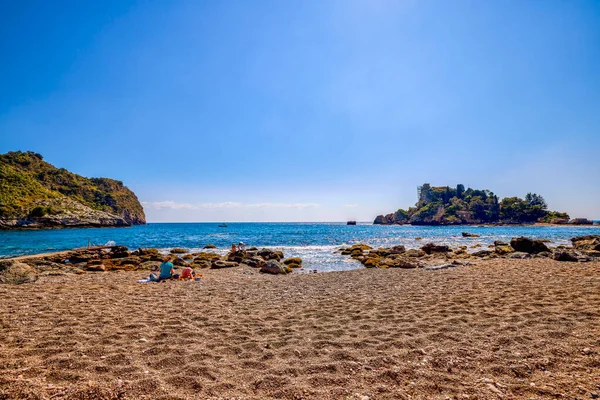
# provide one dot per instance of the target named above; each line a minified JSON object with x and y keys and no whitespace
{"x":35,"y":194}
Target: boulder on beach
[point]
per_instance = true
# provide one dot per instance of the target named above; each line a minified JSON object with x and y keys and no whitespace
{"x":526,"y":245}
{"x":16,"y":273}
{"x":148,"y":254}
{"x":83,"y":256}
{"x":268,"y":254}
{"x":590,"y":242}
{"x":502,"y":248}
{"x":254,"y":261}
{"x":372,"y":262}
{"x":119,"y":252}
{"x":199,"y":263}
{"x":398,"y":249}
{"x":399,"y":262}
{"x":95,"y":268}
{"x":565,"y":255}
{"x":275,"y":267}
{"x":149,"y":265}
{"x":210,"y":246}
{"x":430,"y":248}
{"x":178,"y":262}
{"x":484,"y":253}
{"x":293,"y":262}
{"x":416,"y":253}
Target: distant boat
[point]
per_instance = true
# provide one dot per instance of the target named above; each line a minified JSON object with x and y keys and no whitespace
{"x":351,"y":223}
{"x":222,"y":225}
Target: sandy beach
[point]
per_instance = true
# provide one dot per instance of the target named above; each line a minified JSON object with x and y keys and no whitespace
{"x":500,"y":329}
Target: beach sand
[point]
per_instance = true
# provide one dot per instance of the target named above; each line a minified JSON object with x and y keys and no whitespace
{"x":500,"y":329}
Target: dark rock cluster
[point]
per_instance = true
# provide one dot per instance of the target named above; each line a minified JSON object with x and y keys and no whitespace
{"x":429,"y":256}
{"x":119,"y":258}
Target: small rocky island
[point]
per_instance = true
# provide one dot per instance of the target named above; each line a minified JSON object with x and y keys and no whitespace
{"x":36,"y":194}
{"x":444,"y":205}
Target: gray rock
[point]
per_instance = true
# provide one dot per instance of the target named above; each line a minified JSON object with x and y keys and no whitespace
{"x":274,"y":267}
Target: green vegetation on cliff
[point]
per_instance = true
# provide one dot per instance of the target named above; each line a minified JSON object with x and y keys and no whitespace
{"x":31,"y":188}
{"x":444,"y":205}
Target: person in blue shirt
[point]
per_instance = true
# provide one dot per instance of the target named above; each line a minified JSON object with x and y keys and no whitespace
{"x":166,"y":269}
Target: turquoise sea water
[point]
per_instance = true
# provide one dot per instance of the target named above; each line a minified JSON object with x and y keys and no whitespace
{"x":314,"y":242}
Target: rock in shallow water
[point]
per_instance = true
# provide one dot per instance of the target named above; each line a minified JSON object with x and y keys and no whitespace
{"x":467,"y":234}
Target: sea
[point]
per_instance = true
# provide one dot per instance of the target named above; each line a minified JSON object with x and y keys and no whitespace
{"x":315,"y":243}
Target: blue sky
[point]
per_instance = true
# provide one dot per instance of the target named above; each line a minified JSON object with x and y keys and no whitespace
{"x":307,"y":110}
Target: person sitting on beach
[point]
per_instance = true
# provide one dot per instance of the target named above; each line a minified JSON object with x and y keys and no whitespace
{"x":187,"y":273}
{"x":233,"y":248}
{"x":242,"y":246}
{"x":166,"y":270}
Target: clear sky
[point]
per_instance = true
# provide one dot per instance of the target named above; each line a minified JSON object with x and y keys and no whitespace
{"x":307,"y":110}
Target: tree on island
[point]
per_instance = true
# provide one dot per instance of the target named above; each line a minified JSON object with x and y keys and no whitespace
{"x":443,"y":205}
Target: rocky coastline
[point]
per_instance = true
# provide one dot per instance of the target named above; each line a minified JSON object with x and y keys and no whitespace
{"x":431,"y":256}
{"x":26,"y":269}
{"x":36,"y":195}
{"x":434,"y":256}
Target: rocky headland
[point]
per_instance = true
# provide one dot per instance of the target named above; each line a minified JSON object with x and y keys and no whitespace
{"x":444,"y":205}
{"x":35,"y":194}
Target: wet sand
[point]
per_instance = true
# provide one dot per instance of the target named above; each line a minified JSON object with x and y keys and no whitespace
{"x":500,"y":329}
